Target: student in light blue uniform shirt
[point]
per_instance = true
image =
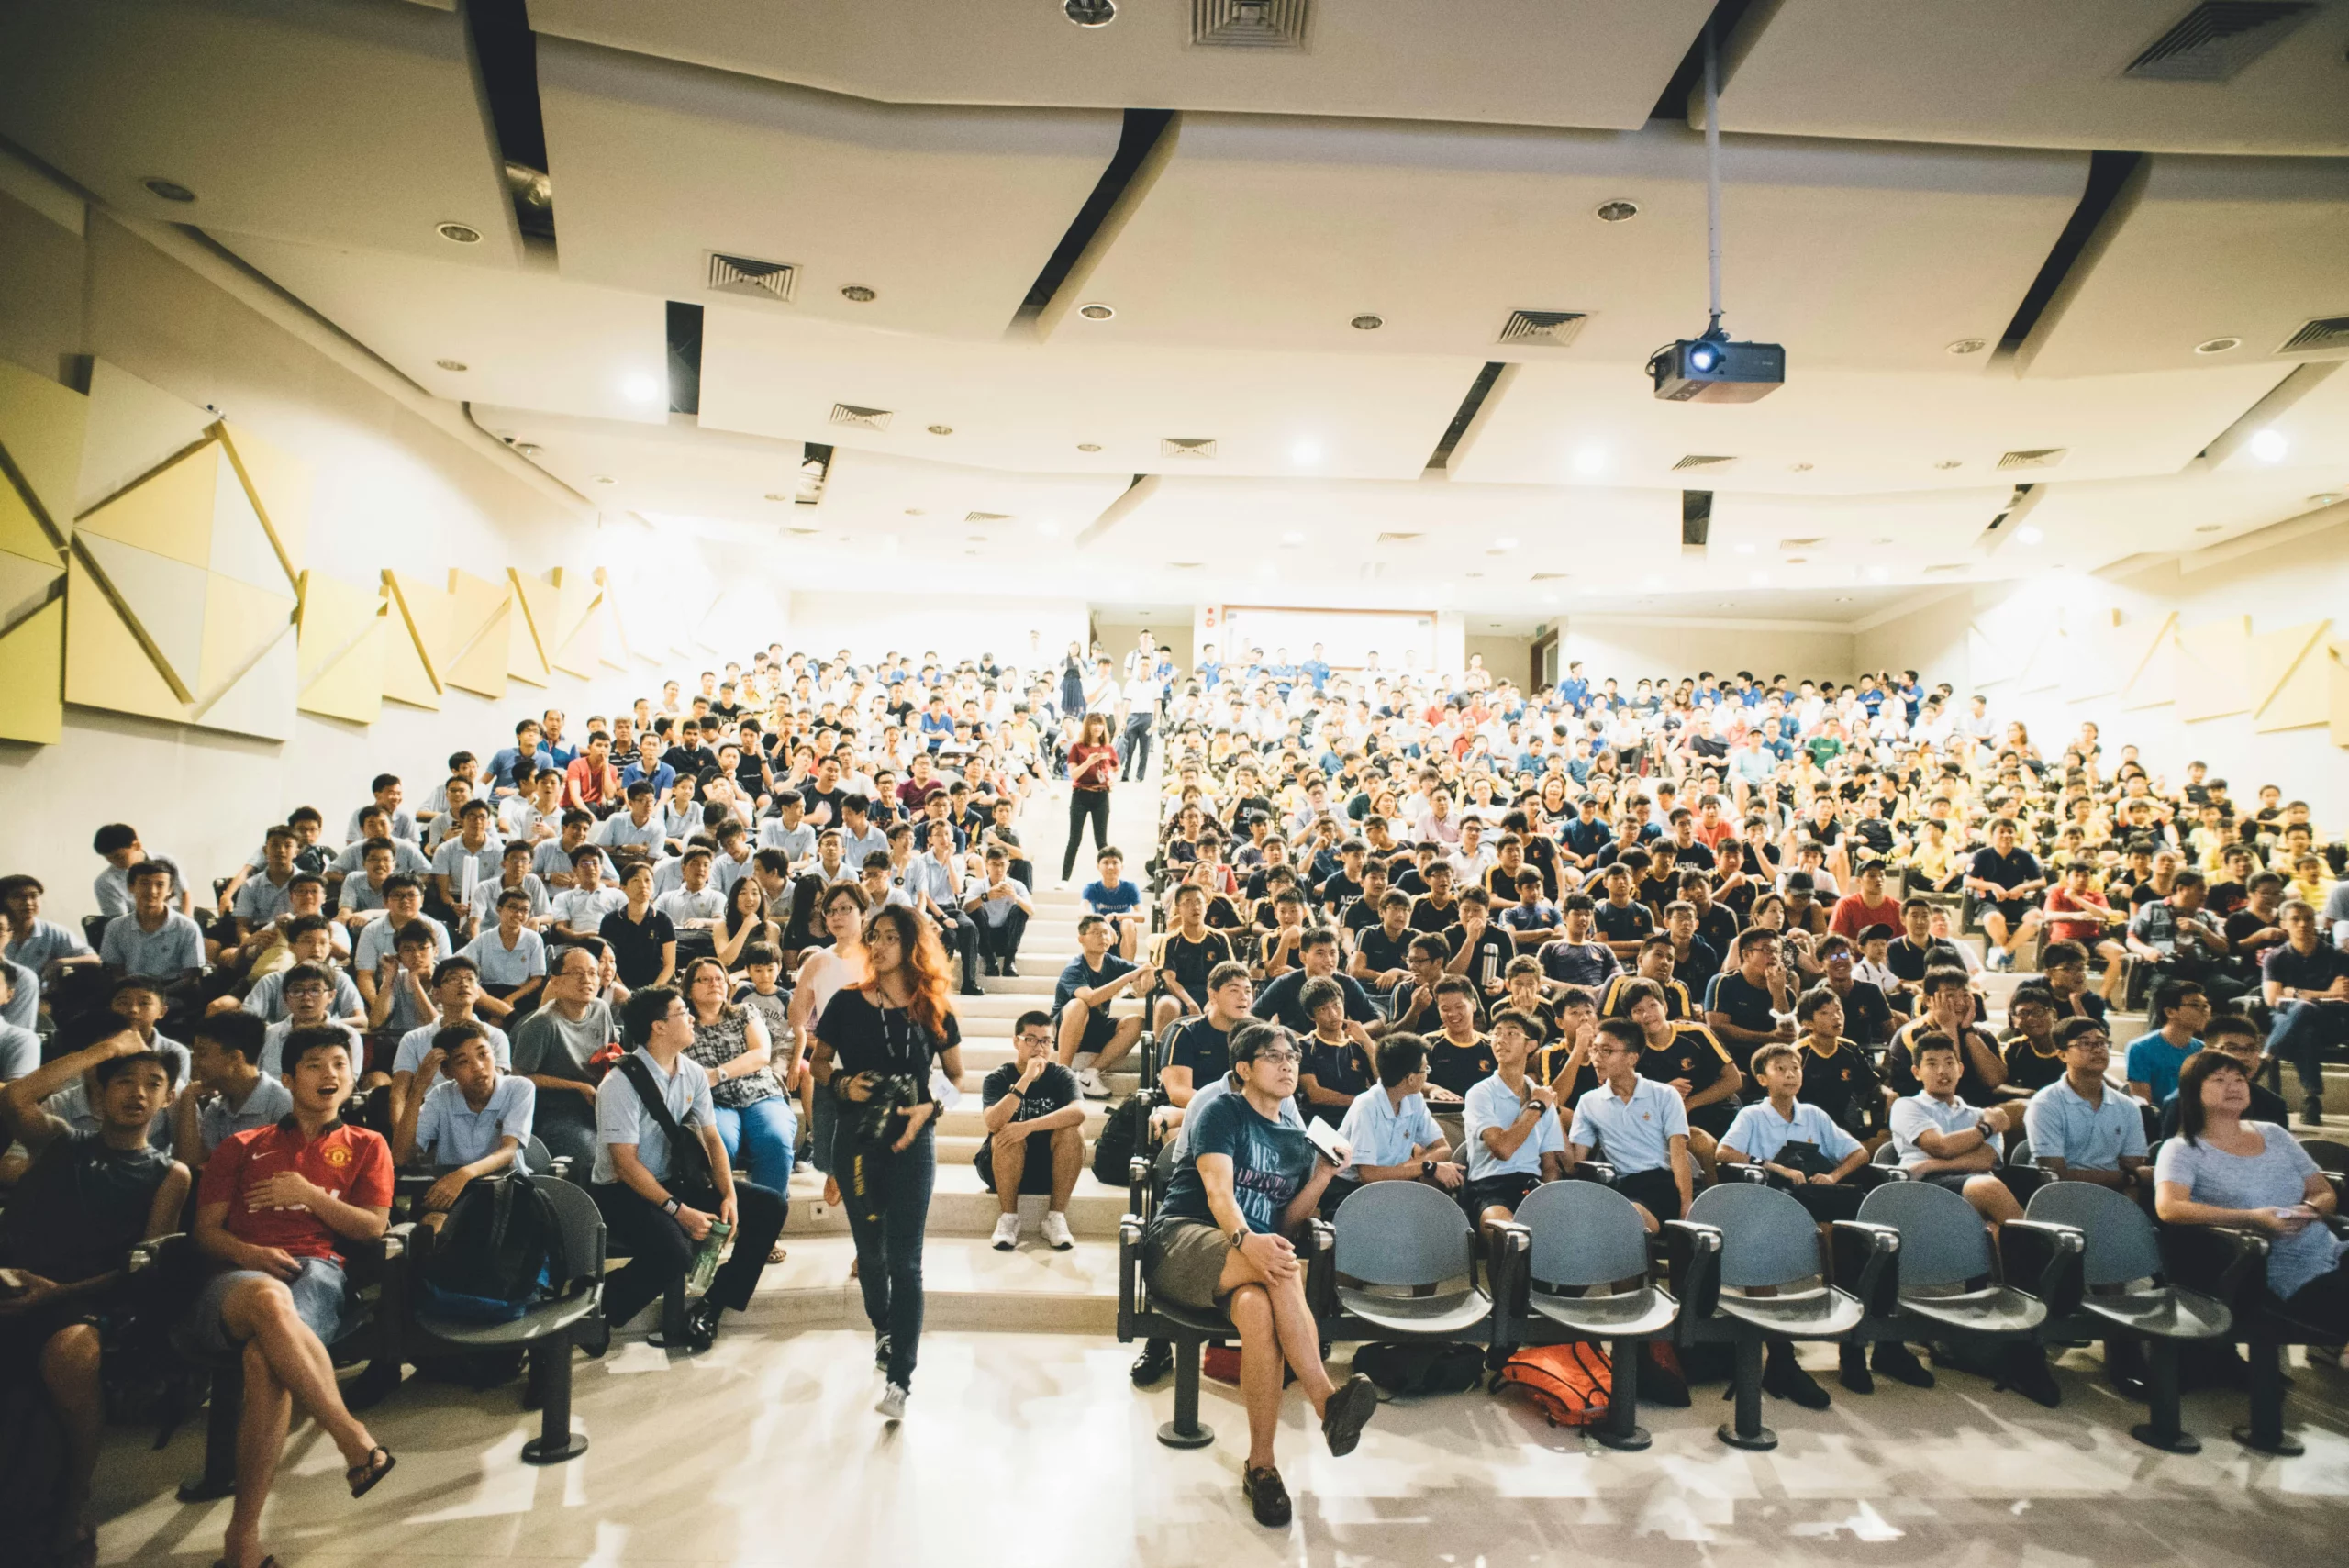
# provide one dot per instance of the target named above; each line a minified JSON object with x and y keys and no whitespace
{"x":1393,"y":1134}
{"x":1510,"y":1126}
{"x":1830,"y":1157}
{"x":1637,"y":1123}
{"x":2081,"y":1127}
{"x":475,"y":1119}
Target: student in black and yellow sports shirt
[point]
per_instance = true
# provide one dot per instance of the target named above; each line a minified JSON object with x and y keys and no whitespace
{"x":1382,"y":958}
{"x":1654,"y":966}
{"x":1686,"y":1057}
{"x":1187,"y":957}
{"x":1623,"y":921}
{"x":1458,"y":1057}
{"x":1837,"y":1076}
{"x":1948,"y":1009}
{"x":2032,"y":1055}
{"x":1868,"y":1017}
{"x":1564,"y":1062}
{"x":1743,"y":1007}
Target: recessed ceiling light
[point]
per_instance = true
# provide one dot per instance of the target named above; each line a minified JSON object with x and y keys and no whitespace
{"x":1797,"y":468}
{"x":1292,"y":537}
{"x":173,"y":190}
{"x":2324,"y":498}
{"x":1305,"y":452}
{"x":1507,"y":541}
{"x":1950,"y":463}
{"x":1097,"y":311}
{"x":1048,"y":528}
{"x":941,"y":429}
{"x":2029,"y":535}
{"x":1968,"y":346}
{"x":2217,"y":345}
{"x":1797,"y":560}
{"x":1744,"y":550}
{"x":606,"y":479}
{"x":1615,"y":211}
{"x":1368,"y":323}
{"x":455,"y":366}
{"x":857,"y":293}
{"x":458,"y":233}
{"x":1088,"y":446}
{"x":772,"y":496}
{"x":974,"y":539}
{"x":2269,"y":446}
{"x":2209,"y":527}
{"x":913,"y":511}
{"x":1591,"y":460}
{"x":641,"y":388}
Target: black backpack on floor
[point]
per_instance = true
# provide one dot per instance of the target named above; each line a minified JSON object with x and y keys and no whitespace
{"x":1124,"y":1135}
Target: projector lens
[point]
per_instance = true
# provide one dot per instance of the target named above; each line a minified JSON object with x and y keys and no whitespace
{"x":1703,"y":359}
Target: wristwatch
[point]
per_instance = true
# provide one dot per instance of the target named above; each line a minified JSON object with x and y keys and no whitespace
{"x":1427,"y":1168}
{"x":1236,"y":1235}
{"x":671,"y":1208}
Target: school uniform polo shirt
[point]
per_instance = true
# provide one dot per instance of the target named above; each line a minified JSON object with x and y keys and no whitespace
{"x":379,"y":939}
{"x":502,"y":965}
{"x":1922,"y":1113}
{"x":621,"y":1117}
{"x":1382,"y":1133}
{"x":163,"y":953}
{"x":417,"y":1041}
{"x":2063,"y":1126}
{"x":1636,"y":1135}
{"x":1491,"y":1105}
{"x":216,"y":1120}
{"x":1759,"y":1132}
{"x":452,"y":1133}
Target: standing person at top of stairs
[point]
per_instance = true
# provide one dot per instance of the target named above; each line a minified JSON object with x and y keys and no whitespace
{"x":1092,"y":768}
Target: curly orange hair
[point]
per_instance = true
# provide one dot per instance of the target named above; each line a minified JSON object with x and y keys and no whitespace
{"x":925,"y":956}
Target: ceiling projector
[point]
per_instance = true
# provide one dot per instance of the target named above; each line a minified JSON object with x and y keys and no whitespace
{"x":1713,"y":369}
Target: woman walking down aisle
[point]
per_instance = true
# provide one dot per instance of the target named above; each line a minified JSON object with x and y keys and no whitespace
{"x":824,"y":974}
{"x":875,"y":1046}
{"x":1092,"y":768}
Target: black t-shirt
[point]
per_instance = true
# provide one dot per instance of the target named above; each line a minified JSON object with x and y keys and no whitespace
{"x":1717,"y":927}
{"x":636,"y":947}
{"x":1844,"y":1085}
{"x":1549,"y":1061}
{"x":1694,"y":1053}
{"x":1746,"y":1004}
{"x":1054,"y":1088}
{"x":1459,"y":1068}
{"x":1191,"y":962}
{"x":80,"y":1207}
{"x":1384,"y":953}
{"x":1697,"y":970}
{"x":1201,"y":1046}
{"x":2010,"y":870}
{"x":865,"y":1038}
{"x":1910,"y":961}
{"x":1494,"y":951}
{"x":2027,"y":1069}
{"x":1691,"y":856}
{"x":2242,"y":923}
{"x":1343,"y":1068}
{"x":1867,"y":1014}
{"x":1429,"y":920}
{"x":1339,"y":891}
{"x":1279,"y":1002}
{"x":821,"y":797}
{"x":2297,"y":971}
{"x":1623,"y":922}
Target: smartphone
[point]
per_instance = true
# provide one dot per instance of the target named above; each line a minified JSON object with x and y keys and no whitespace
{"x":1325,"y":1137}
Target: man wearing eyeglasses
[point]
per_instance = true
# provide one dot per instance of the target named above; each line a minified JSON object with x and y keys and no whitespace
{"x":1035,"y":1123}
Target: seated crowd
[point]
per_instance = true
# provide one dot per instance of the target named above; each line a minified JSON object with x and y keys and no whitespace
{"x":1488,"y":936}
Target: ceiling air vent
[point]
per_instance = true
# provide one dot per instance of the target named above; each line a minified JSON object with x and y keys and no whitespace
{"x":803,"y":533}
{"x":1183,"y":446}
{"x":1697,"y":461}
{"x":1400,"y":539}
{"x":1249,"y":24}
{"x":986,"y":517}
{"x":2326,"y":334}
{"x":1184,"y":565}
{"x":2218,"y":37}
{"x":1552,"y":576}
{"x":863,"y":418}
{"x":2045,"y":457}
{"x":1944,"y":569}
{"x":749,"y":276}
{"x":1542,"y":328}
{"x":1800,"y":543}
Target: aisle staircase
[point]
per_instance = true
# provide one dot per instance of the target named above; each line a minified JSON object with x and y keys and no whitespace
{"x":968,"y":1284}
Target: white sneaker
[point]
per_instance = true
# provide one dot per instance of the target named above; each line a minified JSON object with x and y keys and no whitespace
{"x":1055,"y":1231}
{"x":1006,"y":1232}
{"x":1089,"y":1082}
{"x":892,"y":1403}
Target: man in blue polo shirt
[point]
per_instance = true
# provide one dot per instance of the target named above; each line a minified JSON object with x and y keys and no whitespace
{"x":1390,"y":1130}
{"x":2080,"y":1131}
{"x":471,"y":1121}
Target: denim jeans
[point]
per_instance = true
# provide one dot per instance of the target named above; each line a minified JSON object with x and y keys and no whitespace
{"x":2300,"y":1035}
{"x":768,"y":1127}
{"x":887,"y":1197}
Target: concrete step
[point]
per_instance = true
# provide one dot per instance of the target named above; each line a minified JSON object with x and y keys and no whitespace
{"x":959,"y":1206}
{"x":966,"y":1285}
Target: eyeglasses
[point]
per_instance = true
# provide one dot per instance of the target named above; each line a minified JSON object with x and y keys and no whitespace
{"x":1277,"y":1058}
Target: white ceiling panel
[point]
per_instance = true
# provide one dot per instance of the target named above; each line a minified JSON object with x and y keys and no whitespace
{"x":2246,"y":248}
{"x":1860,"y":431}
{"x":345,"y":122}
{"x":1594,"y":63}
{"x":946,"y":214}
{"x":522,"y":337}
{"x":1271,"y":231}
{"x":2026,"y":73}
{"x":1032,"y":406}
{"x":2091,"y":525}
{"x":2310,"y":440}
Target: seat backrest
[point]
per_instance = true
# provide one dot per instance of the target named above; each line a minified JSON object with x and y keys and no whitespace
{"x":1886,"y":1154}
{"x":1768,"y":1238}
{"x":1162,"y":1172}
{"x":1402,"y":1234}
{"x":2328,"y":1154}
{"x":1943,"y":1240}
{"x":538,"y":1157}
{"x":1583,"y":1234}
{"x":582,"y":1227}
{"x":2121,"y":1242}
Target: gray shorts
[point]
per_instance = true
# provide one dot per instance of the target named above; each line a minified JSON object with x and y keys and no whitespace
{"x":318,"y":1297}
{"x":1184,"y":1260}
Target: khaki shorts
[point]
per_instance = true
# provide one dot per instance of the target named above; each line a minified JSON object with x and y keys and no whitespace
{"x":1184,"y":1260}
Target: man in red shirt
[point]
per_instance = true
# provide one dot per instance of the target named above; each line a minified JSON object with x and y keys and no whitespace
{"x":274,"y":1205}
{"x":1866,"y":904}
{"x":591,"y":783}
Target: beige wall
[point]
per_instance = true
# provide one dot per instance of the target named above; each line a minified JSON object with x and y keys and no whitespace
{"x":1629,"y":649}
{"x":1118,"y":637}
{"x":391,"y":489}
{"x":1509,"y":658}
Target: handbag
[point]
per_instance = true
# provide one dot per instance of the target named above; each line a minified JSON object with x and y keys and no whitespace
{"x":689,"y":1180}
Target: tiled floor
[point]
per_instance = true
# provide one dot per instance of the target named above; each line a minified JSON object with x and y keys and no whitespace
{"x":1031,"y":1450}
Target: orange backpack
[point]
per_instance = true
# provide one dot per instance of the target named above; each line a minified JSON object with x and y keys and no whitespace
{"x":1570,"y":1383}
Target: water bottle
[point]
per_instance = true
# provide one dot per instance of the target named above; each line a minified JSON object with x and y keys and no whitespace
{"x":704,"y":1267}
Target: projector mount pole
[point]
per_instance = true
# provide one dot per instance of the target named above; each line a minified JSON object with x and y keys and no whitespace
{"x":1713,"y":175}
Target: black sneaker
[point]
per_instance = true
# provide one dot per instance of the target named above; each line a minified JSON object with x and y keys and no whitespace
{"x":701,"y":1324}
{"x":1852,"y":1369}
{"x":1783,"y":1376}
{"x":1898,"y":1363}
{"x":2313,"y":1113}
{"x":2026,"y":1372}
{"x":1157,"y":1359}
{"x":881,"y":1351}
{"x":1266,"y":1496}
{"x":1351,"y":1406}
{"x":595,"y":1337}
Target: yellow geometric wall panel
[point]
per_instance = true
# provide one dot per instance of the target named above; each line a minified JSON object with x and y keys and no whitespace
{"x":2287,"y":677}
{"x":43,"y":426}
{"x":135,"y":428}
{"x":415,"y":643}
{"x":579,"y":596}
{"x":530,"y":628}
{"x":2155,"y":680}
{"x":32,"y":670}
{"x":41,"y":430}
{"x":279,"y":487}
{"x":107,"y":664}
{"x":2214,"y":669}
{"x":340,"y":653}
{"x":2336,"y":680}
{"x":480,"y":615}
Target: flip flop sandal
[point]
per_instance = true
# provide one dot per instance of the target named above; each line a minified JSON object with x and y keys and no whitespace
{"x":363,"y":1477}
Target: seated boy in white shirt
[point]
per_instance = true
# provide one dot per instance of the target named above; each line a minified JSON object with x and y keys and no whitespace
{"x":1511,"y":1124}
{"x":470,"y":1119}
{"x":1941,"y":1139}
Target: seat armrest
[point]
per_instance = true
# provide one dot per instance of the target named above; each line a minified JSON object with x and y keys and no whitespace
{"x":2043,"y":1259}
{"x":1693,"y":1253}
{"x":1128,"y":1275}
{"x":1873,"y":1258}
{"x":1744,"y":1171}
{"x":1867,"y":1263}
{"x":1597,"y":1171}
{"x":154,"y":1254}
{"x":2222,"y":1261}
{"x":1138,"y":1185}
{"x":1318,"y":1242}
